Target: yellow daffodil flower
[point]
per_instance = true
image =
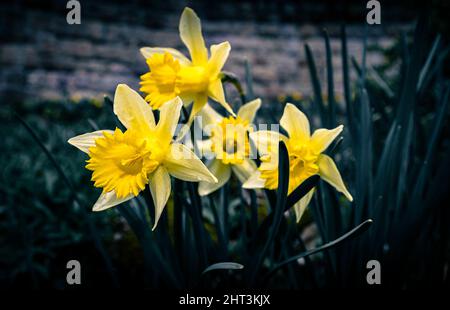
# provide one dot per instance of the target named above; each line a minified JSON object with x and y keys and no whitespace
{"x":123,"y":163}
{"x":172,"y":74}
{"x":306,"y":156}
{"x":229,"y":144}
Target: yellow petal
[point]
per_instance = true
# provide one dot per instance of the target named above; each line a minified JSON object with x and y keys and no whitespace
{"x":132,"y":110}
{"x":199,"y":103}
{"x":295,"y":123}
{"x":215,"y":91}
{"x":221,"y":171}
{"x":329,"y":173}
{"x":301,"y":205}
{"x":183,"y":164}
{"x":148,"y":52}
{"x":108,"y":200}
{"x":85,"y":141}
{"x":248,"y":110}
{"x":209,"y":118}
{"x":266,"y":141}
{"x":169,"y":115}
{"x":254,"y":181}
{"x":322,"y":138}
{"x":245,"y":170}
{"x":191,"y":35}
{"x":219,"y":55}
{"x":187,"y":99}
{"x":160,"y":189}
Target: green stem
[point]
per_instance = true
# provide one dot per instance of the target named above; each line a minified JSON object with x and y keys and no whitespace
{"x":197,"y":223}
{"x":228,"y":77}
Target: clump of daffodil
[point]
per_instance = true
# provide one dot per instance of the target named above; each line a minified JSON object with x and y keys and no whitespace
{"x":306,"y":156}
{"x":124,"y":162}
{"x":228,"y":144}
{"x":172,"y":74}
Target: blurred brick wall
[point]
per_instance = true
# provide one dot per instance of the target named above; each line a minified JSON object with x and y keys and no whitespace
{"x":42,"y":57}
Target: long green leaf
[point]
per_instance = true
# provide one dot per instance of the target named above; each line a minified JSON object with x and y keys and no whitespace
{"x":283,"y":185}
{"x":330,"y":79}
{"x":351,"y":234}
{"x":301,"y":191}
{"x":223,"y":266}
{"x":316,"y":84}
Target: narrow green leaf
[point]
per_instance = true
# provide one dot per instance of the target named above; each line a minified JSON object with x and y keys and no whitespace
{"x":426,"y":67}
{"x":346,"y":80}
{"x":364,"y":157}
{"x":425,"y":170}
{"x":228,"y":77}
{"x":335,"y":147}
{"x":351,"y":234}
{"x":330,"y":82}
{"x":283,"y":185}
{"x":219,"y":228}
{"x":301,"y":191}
{"x":223,"y":266}
{"x":316,"y":84}
{"x":199,"y":231}
{"x":249,"y":80}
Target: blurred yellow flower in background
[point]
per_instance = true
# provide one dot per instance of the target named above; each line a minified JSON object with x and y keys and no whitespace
{"x":229,"y":144}
{"x":306,"y":156}
{"x":172,"y":74}
{"x":123,"y":163}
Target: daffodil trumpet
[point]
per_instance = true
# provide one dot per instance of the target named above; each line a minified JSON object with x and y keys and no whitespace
{"x":306,"y":156}
{"x":124,"y":162}
{"x":228,"y":145}
{"x":194,"y":80}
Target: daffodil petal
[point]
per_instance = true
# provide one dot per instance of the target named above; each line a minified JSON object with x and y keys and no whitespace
{"x":215,"y":91}
{"x":248,"y":110}
{"x":191,"y":35}
{"x":160,"y":189}
{"x":109,"y":200}
{"x":255,"y":181}
{"x":295,"y":123}
{"x":169,"y":115}
{"x":148,"y":52}
{"x":219,"y":55}
{"x":330,"y":173}
{"x":266,"y":141}
{"x":132,"y":110}
{"x":221,"y":171}
{"x":209,"y":118}
{"x":187,"y":99}
{"x":85,"y":141}
{"x":322,"y":138}
{"x":183,"y":164}
{"x":301,"y":205}
{"x":244,"y":170}
{"x":199,"y":103}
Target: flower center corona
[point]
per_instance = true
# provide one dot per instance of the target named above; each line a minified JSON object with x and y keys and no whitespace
{"x":168,"y":78}
{"x":122,"y":162}
{"x":230,"y":140}
{"x":302,"y":165}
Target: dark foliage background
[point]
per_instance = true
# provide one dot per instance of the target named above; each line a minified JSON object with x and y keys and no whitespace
{"x":42,"y":226}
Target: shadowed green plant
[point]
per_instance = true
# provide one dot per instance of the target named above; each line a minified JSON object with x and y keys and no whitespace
{"x":393,"y":154}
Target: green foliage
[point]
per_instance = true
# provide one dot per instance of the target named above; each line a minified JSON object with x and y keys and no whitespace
{"x":394,"y":155}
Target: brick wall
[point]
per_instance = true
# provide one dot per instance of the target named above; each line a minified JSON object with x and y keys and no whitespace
{"x":42,"y":57}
